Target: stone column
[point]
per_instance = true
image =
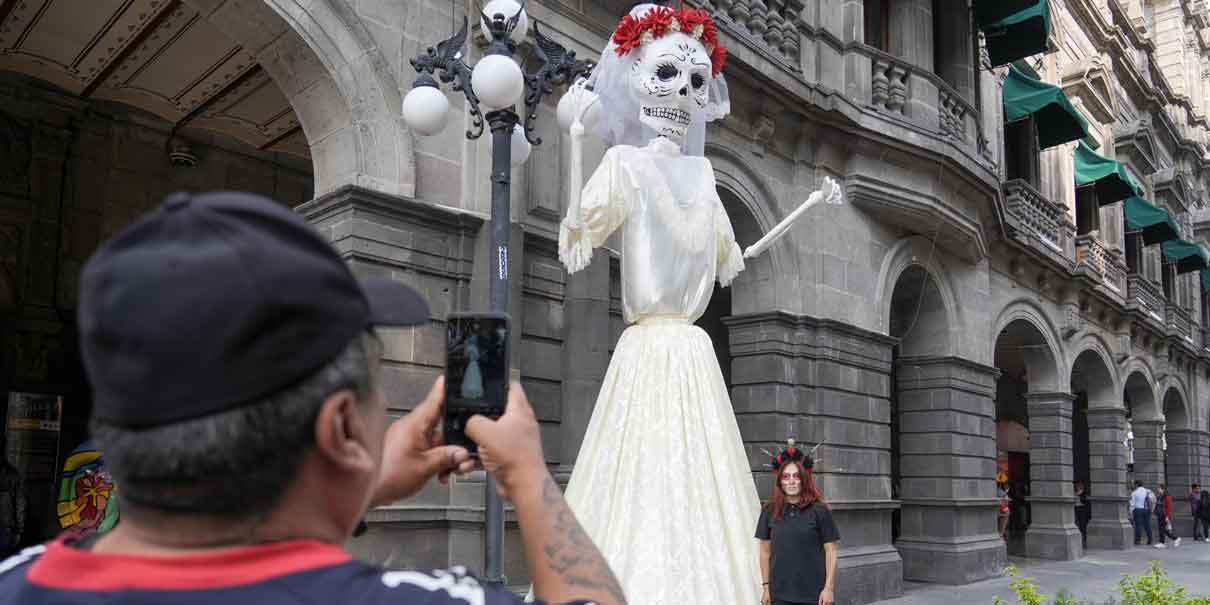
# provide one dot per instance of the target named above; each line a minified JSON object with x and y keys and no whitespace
{"x":1107,"y":493}
{"x":585,"y":353}
{"x":947,"y":442}
{"x":1149,"y":452}
{"x":912,"y":32}
{"x":1202,"y":452}
{"x":431,"y":249}
{"x":1052,"y":531}
{"x":1181,"y":472}
{"x":955,"y":61}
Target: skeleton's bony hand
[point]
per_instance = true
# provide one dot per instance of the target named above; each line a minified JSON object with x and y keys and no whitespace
{"x":833,"y":193}
{"x":580,"y":105}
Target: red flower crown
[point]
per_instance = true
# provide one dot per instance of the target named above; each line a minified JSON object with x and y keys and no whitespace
{"x":659,"y":21}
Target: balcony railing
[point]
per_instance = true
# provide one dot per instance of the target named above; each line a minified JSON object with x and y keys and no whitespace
{"x":1146,"y":293}
{"x":771,"y":23}
{"x":1092,"y":253}
{"x":1035,"y":216}
{"x":918,"y":96}
{"x":1179,"y":323}
{"x":888,"y":90}
{"x":954,"y":111}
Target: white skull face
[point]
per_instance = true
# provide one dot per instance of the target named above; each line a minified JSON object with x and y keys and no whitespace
{"x":669,"y":78}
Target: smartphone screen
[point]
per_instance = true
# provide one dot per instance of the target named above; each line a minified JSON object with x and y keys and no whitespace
{"x":476,"y":371}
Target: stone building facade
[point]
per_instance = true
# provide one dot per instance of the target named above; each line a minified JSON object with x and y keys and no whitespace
{"x":957,"y":317}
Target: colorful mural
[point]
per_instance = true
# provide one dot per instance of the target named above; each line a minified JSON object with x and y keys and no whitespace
{"x":87,"y":498}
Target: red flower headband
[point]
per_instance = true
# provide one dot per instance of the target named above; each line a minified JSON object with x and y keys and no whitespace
{"x":695,"y":23}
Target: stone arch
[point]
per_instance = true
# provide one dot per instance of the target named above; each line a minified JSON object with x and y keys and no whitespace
{"x":1034,"y":409}
{"x":905,"y":254}
{"x":336,"y":78}
{"x":1046,"y":373}
{"x":732,"y":173}
{"x":1139,"y":390}
{"x":1175,"y":407}
{"x":1095,"y":388}
{"x":1145,"y":425}
{"x":1101,"y":394}
{"x":749,"y":292}
{"x":1182,"y":448}
{"x":1098,"y":438}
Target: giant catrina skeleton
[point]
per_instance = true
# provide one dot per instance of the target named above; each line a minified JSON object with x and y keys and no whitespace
{"x":662,"y":483}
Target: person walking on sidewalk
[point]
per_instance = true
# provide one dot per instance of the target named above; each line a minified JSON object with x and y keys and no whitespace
{"x":1140,"y":512}
{"x":1083,"y":512}
{"x":1203,"y":511}
{"x":1195,"y":502}
{"x":1163,"y":516}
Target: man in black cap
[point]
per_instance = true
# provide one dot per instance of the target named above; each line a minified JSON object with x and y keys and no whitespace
{"x":237,"y":400}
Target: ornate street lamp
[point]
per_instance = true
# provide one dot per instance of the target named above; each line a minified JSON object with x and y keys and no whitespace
{"x":494,"y":86}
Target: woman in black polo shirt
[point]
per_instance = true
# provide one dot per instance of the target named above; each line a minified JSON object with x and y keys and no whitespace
{"x":798,"y":537}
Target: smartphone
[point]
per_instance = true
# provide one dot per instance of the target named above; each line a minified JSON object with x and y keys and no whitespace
{"x":476,"y":371}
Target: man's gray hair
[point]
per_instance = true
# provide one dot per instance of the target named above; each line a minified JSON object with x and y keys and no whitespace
{"x":235,"y":463}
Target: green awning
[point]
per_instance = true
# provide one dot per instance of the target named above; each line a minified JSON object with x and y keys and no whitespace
{"x":1108,"y":176}
{"x":1186,"y":255}
{"x":1206,"y":284}
{"x":1057,"y":119}
{"x":1155,"y":224}
{"x":1021,"y":34}
{"x":988,"y":12}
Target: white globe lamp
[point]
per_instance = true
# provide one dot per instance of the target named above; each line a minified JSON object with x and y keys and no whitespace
{"x":497,"y":81}
{"x":520,"y":146}
{"x":508,"y":8}
{"x":425,"y":110}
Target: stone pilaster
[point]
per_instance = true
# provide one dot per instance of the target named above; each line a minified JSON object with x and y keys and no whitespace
{"x":1107,"y":493}
{"x":1202,"y":451}
{"x":1149,"y":452}
{"x":431,"y":249}
{"x":824,"y":381}
{"x":1181,"y":472}
{"x":586,"y":339}
{"x":1052,"y":531}
{"x":947,"y":423}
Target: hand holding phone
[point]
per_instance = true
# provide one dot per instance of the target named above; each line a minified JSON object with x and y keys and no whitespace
{"x":476,"y":372}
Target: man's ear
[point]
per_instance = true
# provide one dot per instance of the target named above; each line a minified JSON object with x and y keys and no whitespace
{"x":342,"y":433}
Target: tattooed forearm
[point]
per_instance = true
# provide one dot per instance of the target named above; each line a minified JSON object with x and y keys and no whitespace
{"x":571,"y":553}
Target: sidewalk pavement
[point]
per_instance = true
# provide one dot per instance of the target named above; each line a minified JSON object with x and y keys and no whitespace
{"x":1093,"y":578}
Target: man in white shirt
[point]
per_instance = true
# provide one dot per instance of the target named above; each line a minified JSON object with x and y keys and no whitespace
{"x":1140,"y":511}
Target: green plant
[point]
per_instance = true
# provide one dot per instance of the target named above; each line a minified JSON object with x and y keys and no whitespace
{"x":1025,"y":588}
{"x":1064,"y":597}
{"x":1153,"y":588}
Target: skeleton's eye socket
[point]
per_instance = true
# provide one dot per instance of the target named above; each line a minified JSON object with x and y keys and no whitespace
{"x":667,"y":71}
{"x":698,"y":81}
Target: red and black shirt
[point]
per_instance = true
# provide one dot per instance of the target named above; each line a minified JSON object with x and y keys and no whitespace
{"x":301,"y":571}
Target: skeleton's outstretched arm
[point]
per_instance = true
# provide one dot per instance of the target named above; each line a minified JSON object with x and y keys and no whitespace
{"x":830,"y":193}
{"x":581,"y":101}
{"x":576,"y":107}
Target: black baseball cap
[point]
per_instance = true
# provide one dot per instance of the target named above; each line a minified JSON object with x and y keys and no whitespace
{"x":218,"y":300}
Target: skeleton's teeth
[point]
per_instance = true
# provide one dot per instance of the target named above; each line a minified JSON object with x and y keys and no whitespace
{"x":668,"y":113}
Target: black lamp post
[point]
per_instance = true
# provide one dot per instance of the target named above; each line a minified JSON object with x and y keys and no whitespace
{"x":500,"y":82}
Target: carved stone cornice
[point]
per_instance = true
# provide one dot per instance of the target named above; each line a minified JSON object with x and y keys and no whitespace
{"x":924,"y":213}
{"x":1136,"y":141}
{"x":1090,"y":81}
{"x":1171,"y":182}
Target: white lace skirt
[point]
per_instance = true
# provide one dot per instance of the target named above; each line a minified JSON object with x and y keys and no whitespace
{"x":662,"y":483}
